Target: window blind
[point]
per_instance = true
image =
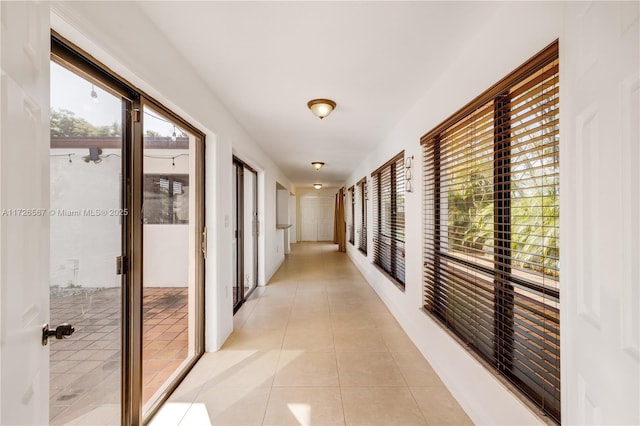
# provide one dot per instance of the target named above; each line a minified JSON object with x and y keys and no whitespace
{"x":361,"y":214}
{"x":491,"y":222}
{"x":388,"y":218}
{"x":351,"y":215}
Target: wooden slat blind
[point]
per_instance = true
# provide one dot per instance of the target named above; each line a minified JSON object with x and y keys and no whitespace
{"x":351,"y":222}
{"x":361,"y":214}
{"x":491,"y":212}
{"x":388,"y":186}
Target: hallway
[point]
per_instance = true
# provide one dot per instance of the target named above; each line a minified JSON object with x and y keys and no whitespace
{"x":315,"y":346}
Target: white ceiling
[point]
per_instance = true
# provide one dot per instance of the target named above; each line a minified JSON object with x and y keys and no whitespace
{"x":265,"y":60}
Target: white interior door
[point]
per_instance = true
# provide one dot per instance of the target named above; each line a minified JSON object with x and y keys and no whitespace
{"x":316,"y":214}
{"x":600,"y":81}
{"x":309,"y":218}
{"x":326,"y":212}
{"x":24,"y":234}
{"x":292,"y":218}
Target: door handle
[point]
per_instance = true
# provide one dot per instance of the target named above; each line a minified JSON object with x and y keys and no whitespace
{"x":60,"y":332}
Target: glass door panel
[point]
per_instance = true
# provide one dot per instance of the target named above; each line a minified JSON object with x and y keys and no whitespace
{"x":237,"y":232}
{"x":245,"y":230}
{"x":85,"y":240}
{"x":251,"y":228}
{"x":170,"y":253}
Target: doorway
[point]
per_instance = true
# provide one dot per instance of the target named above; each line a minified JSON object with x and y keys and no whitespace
{"x":317,"y":215}
{"x":246,"y":230}
{"x":126,"y":238}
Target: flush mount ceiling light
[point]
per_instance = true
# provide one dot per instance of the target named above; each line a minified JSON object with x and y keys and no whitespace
{"x":317,"y":185}
{"x":317,"y":165}
{"x":321,"y":107}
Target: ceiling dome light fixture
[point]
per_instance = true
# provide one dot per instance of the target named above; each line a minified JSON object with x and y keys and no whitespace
{"x":317,"y":185}
{"x":317,"y":165}
{"x":321,"y":107}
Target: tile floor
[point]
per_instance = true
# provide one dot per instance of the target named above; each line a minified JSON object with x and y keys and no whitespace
{"x":315,"y":346}
{"x":85,"y":368}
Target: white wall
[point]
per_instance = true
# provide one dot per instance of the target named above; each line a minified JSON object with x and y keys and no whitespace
{"x":83,"y":247}
{"x":120,"y":36}
{"x":282,"y":202}
{"x":166,"y":255}
{"x":167,"y":247}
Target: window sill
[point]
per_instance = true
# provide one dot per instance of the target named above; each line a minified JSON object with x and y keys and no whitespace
{"x":394,"y":281}
{"x":513,"y":389}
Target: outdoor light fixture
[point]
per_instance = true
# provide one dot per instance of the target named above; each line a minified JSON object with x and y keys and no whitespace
{"x":174,"y":137}
{"x":95,"y":156}
{"x":317,"y":185}
{"x":321,"y":107}
{"x":94,"y":94}
{"x":317,"y":165}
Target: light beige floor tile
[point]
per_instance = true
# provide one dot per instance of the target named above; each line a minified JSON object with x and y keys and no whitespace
{"x":171,"y":413}
{"x":308,"y":339}
{"x":299,"y":314}
{"x":358,"y":340}
{"x":254,"y":371}
{"x":311,"y":305}
{"x":214,"y":365}
{"x":310,"y":323}
{"x":415,"y":369}
{"x":317,"y":290}
{"x":257,"y":339}
{"x":315,"y":346}
{"x":368,"y":369}
{"x":439,"y":407}
{"x":385,"y":319}
{"x":397,"y":340}
{"x":304,"y":406}
{"x":351,"y":319}
{"x":227,"y":406}
{"x":380,"y":406}
{"x":98,"y":415}
{"x":274,"y":318}
{"x":239,"y":320}
{"x":299,"y":368}
{"x":345,"y":310}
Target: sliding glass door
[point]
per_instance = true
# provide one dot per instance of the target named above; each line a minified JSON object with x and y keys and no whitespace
{"x":172,"y":236}
{"x":86,"y":226}
{"x":246,"y":232}
{"x":126,"y":241}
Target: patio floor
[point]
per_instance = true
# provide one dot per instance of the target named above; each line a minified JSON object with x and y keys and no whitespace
{"x":85,"y":368}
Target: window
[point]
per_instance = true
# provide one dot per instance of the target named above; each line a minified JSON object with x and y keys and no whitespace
{"x":491,"y":255}
{"x":361,"y":212}
{"x":166,"y":199}
{"x":388,"y":218}
{"x":352,"y":215}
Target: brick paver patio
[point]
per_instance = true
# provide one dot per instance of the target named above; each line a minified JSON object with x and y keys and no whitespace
{"x":85,"y":368}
